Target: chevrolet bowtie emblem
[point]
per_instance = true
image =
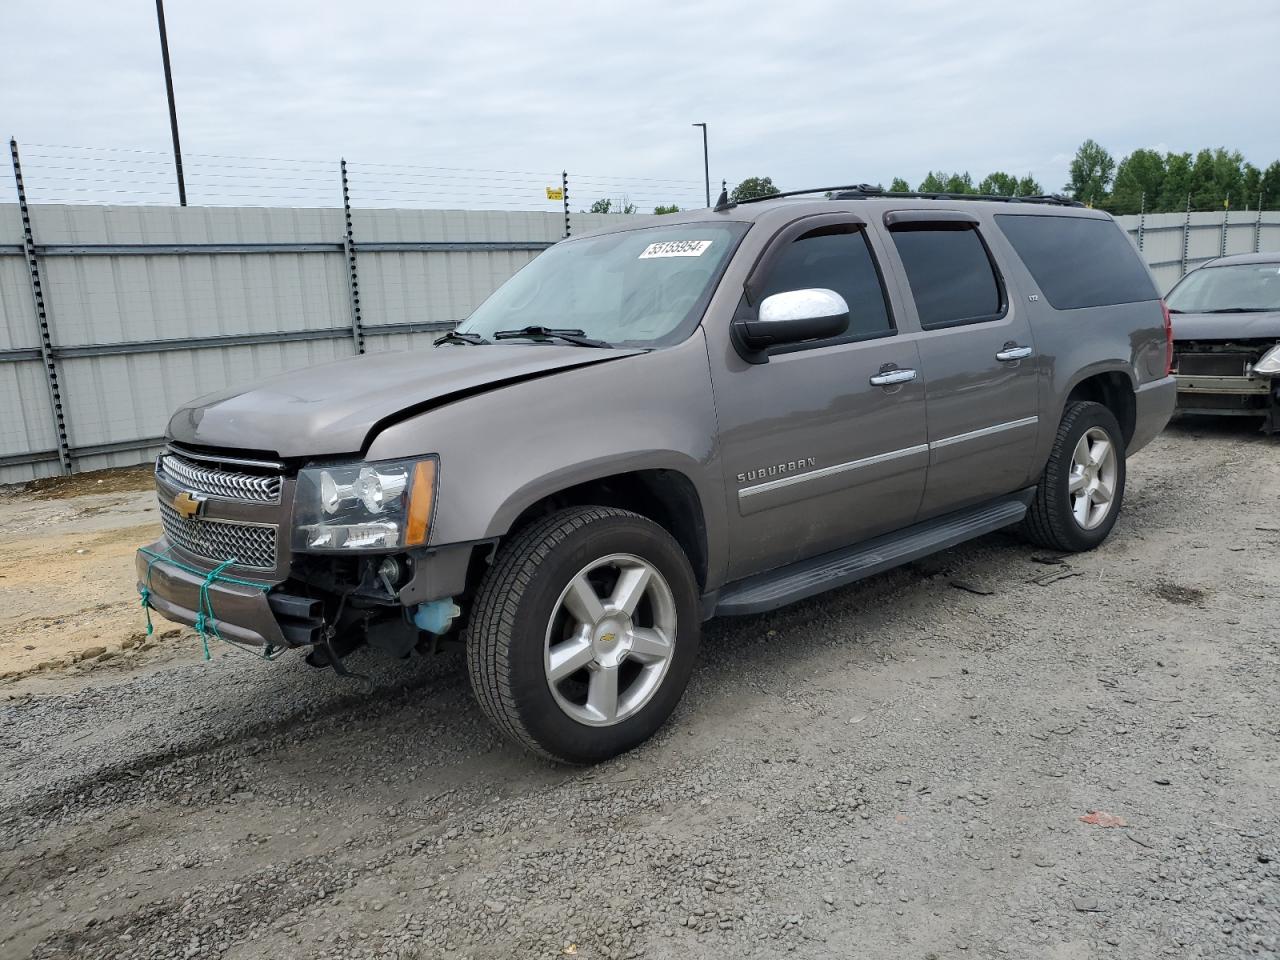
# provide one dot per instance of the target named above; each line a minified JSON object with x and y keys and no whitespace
{"x":188,"y":504}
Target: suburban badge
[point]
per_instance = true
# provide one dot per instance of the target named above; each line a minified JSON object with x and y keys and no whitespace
{"x":777,"y":469}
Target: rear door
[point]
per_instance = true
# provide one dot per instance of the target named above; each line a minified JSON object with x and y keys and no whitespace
{"x":825,"y":443}
{"x":977,"y":355}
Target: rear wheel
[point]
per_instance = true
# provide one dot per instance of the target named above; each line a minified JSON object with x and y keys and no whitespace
{"x":584,"y":633}
{"x":1081,"y":491}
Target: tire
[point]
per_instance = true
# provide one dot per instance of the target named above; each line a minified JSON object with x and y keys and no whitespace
{"x":1054,"y":518}
{"x":532,"y":601}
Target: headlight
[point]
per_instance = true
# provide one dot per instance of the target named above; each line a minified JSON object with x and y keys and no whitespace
{"x":1269,"y":365}
{"x":364,"y":506}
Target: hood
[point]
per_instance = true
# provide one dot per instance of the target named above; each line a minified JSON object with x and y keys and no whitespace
{"x":1226,"y":326}
{"x":335,"y":408}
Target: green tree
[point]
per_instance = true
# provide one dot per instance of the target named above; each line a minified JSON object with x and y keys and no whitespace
{"x":1141,"y":173}
{"x":753,"y":187}
{"x":900,"y":186}
{"x":606,"y":205}
{"x":666,"y":208}
{"x":1216,"y":175}
{"x":1208,"y":177}
{"x":1270,"y":186}
{"x":1202,"y":186}
{"x":1177,"y":182}
{"x":1029,"y":186}
{"x":999,"y":185}
{"x":1250,"y":186}
{"x":939,"y":182}
{"x":1092,"y":170}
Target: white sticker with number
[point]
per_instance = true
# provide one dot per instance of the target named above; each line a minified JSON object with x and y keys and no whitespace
{"x":675,"y":248}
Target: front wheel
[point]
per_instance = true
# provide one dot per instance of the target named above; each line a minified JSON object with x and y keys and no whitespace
{"x":1080,"y":493}
{"x":584,"y":633}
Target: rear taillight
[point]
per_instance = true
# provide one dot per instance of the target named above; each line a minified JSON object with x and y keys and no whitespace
{"x":1168,"y":339}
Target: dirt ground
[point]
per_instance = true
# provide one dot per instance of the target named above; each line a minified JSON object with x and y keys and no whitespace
{"x":981,"y":755}
{"x":67,"y":588}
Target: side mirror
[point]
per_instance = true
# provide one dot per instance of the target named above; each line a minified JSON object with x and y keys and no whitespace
{"x":791,"y":317}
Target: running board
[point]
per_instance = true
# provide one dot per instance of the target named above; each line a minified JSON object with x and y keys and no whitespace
{"x":796,"y":581}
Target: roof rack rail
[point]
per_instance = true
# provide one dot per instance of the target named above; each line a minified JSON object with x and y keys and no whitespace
{"x":865,"y":191}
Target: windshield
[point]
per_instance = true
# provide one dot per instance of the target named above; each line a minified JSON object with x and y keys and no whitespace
{"x":645,"y":287}
{"x":1238,"y":287}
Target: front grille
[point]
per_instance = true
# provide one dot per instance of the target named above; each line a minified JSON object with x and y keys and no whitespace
{"x":1214,"y":364}
{"x":224,"y":484}
{"x":249,"y":544}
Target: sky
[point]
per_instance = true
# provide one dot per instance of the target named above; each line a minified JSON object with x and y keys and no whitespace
{"x":482,"y":104}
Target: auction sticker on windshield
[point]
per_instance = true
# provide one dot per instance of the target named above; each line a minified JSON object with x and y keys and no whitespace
{"x":675,"y":248}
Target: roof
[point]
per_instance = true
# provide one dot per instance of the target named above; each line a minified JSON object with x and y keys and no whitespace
{"x":1235,"y":258}
{"x":776,"y":211}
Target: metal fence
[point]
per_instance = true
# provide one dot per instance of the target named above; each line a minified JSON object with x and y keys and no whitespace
{"x":115,"y":315}
{"x":1173,"y":243}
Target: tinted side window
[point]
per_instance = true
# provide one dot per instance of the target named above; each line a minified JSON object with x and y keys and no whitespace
{"x":1078,"y":262}
{"x":950,"y":272}
{"x":837,"y":258}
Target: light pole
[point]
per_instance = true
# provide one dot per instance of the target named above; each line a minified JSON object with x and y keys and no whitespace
{"x":173,"y":110}
{"x":706,"y":162}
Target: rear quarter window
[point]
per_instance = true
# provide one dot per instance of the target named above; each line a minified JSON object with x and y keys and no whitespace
{"x":1077,"y":261}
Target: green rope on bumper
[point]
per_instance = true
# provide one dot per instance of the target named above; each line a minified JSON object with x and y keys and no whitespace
{"x":206,"y":624}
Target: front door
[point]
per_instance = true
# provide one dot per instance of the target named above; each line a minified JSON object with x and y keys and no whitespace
{"x":825,"y":444}
{"x":978,"y":357}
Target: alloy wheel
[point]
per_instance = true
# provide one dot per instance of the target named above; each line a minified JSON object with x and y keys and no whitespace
{"x":610,"y":640}
{"x":1092,"y":482}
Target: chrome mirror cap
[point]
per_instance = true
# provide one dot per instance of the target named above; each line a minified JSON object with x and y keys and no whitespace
{"x":813,"y":303}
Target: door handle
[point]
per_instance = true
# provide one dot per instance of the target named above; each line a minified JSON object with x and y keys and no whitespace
{"x":1012,"y":351}
{"x":887,"y":378}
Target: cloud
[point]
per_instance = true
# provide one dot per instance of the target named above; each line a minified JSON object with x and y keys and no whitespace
{"x":809,"y":93}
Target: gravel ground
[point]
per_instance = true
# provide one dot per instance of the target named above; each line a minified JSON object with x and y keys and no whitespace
{"x":898,"y":769}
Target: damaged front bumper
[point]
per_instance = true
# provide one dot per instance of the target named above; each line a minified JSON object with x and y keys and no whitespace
{"x":234,"y":608}
{"x":1231,"y":396}
{"x":1219,"y":379}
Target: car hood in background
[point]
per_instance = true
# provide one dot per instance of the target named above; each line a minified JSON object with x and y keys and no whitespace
{"x":1226,"y":326}
{"x":335,"y":408}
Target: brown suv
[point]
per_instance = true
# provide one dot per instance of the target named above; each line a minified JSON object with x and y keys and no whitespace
{"x":718,"y":412}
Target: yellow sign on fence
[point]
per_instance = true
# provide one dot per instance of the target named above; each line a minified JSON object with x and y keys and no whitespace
{"x":555,"y":193}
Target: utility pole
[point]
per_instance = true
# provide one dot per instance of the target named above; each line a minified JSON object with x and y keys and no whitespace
{"x":706,"y":160}
{"x":173,"y":110}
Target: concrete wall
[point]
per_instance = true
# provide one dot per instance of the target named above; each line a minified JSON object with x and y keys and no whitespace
{"x":140,"y":327}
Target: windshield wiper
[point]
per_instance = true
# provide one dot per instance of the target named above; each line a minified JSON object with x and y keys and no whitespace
{"x":1240,"y":310}
{"x":454,"y":336}
{"x":577,"y":337}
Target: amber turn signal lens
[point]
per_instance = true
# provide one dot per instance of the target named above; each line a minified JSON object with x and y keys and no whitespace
{"x":422,"y":496}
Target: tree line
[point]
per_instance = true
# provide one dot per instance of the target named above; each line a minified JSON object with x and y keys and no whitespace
{"x":1162,"y":182}
{"x":1143,"y":180}
{"x":998,"y":184}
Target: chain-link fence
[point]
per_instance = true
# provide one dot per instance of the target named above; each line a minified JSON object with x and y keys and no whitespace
{"x":119,"y":176}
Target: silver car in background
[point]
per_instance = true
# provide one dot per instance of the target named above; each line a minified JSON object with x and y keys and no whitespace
{"x":1226,"y":330}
